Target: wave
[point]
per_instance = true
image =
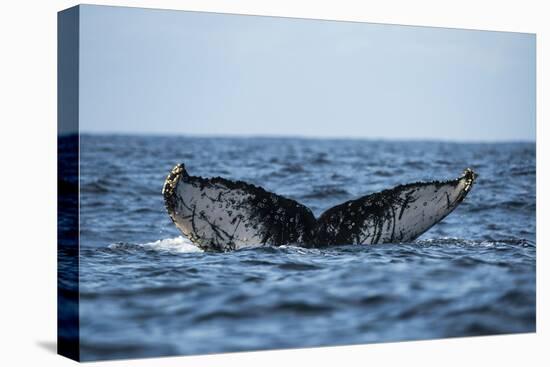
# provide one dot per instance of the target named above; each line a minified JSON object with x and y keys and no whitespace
{"x":385,"y":173}
{"x":99,"y":186}
{"x":529,"y":207}
{"x":326,"y":192}
{"x":320,"y":159}
{"x":181,"y":244}
{"x":293,"y":168}
{"x":178,"y":244}
{"x":444,"y":241}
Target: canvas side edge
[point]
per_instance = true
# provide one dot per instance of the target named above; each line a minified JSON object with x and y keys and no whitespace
{"x":68,"y":320}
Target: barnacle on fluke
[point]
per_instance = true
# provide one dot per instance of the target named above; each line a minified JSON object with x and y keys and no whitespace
{"x":221,"y":214}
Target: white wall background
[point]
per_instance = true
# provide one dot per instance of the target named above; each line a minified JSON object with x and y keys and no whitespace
{"x":28,"y":182}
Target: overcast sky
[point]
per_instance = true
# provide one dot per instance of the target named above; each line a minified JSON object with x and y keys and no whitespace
{"x":173,"y":72}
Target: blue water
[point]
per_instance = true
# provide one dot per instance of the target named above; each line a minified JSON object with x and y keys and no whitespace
{"x":146,"y":291}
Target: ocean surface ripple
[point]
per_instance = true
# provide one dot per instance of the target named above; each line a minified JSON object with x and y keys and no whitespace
{"x":147,"y":291}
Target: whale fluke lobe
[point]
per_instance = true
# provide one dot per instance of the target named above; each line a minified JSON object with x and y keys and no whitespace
{"x":399,"y":214}
{"x":222,"y":215}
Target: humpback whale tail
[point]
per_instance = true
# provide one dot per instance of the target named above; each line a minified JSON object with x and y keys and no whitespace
{"x":220,"y":214}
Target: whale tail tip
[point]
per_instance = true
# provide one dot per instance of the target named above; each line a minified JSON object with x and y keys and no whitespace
{"x":173,"y":178}
{"x":470,"y":175}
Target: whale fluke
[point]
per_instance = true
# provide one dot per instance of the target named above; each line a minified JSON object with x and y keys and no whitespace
{"x":399,"y":214}
{"x":222,"y":215}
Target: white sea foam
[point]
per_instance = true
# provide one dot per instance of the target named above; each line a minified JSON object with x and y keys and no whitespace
{"x":177,"y":244}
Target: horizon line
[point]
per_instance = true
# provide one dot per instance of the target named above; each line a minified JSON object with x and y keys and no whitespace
{"x":303,"y":137}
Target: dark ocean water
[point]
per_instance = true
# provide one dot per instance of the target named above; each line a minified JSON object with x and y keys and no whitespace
{"x":146,"y":291}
